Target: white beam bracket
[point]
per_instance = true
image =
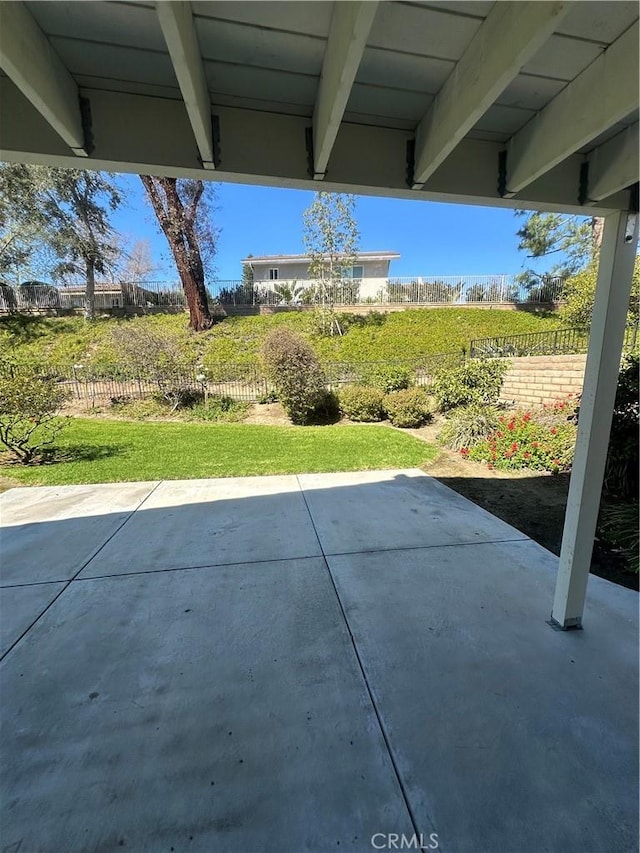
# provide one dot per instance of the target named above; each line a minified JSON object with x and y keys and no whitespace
{"x":29,"y":60}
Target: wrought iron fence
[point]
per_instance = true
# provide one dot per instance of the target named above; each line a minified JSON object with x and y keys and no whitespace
{"x":556,"y":342}
{"x":416,"y":290}
{"x":243,"y":382}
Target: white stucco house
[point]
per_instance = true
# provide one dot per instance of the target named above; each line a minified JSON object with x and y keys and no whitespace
{"x":371,"y":269}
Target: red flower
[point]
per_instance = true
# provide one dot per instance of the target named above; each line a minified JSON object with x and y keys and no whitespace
{"x":464,"y":451}
{"x":511,"y":425}
{"x":489,"y":465}
{"x":494,"y":455}
{"x":553,"y":431}
{"x":556,"y":462}
{"x":526,"y":417}
{"x":508,"y":454}
{"x":535,"y":444}
{"x":526,"y":454}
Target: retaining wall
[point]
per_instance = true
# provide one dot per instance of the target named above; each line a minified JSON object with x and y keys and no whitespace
{"x":536,"y":379}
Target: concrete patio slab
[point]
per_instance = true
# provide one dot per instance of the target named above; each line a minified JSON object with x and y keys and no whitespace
{"x":49,"y":533}
{"x":490,"y":712}
{"x":20,"y":606}
{"x":376,"y":510}
{"x":211,"y":709}
{"x":313,"y":702}
{"x":189,"y":523}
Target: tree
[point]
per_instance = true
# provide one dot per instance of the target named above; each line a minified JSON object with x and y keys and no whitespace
{"x":574,"y":240}
{"x":331,"y":240}
{"x":68,"y":209}
{"x":580,"y":296}
{"x":182,"y":207}
{"x":137,"y":261}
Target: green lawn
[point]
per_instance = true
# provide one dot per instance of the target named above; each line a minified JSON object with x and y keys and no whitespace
{"x":118,"y":451}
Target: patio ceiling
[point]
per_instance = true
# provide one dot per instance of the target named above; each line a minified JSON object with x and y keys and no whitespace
{"x":523,"y":104}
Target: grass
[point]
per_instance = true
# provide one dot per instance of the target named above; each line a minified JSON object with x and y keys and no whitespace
{"x":118,"y":451}
{"x":61,"y":342}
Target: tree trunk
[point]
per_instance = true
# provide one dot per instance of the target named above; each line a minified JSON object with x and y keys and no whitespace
{"x":597,"y":227}
{"x":90,"y":292}
{"x":178,"y":225}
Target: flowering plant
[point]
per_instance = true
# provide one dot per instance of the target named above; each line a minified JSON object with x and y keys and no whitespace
{"x":521,"y":441}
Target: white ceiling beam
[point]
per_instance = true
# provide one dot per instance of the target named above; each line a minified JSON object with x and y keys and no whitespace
{"x":178,"y":27}
{"x":510,"y":35}
{"x":29,"y":60}
{"x":350,"y":26}
{"x":605,"y":93}
{"x":613,"y":166}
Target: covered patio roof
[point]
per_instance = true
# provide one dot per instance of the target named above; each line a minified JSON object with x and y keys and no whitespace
{"x":525,"y":104}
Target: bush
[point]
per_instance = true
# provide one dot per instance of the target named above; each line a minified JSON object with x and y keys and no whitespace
{"x":389,"y":378}
{"x":409,"y":408}
{"x":522,"y":442}
{"x":579,"y":295}
{"x":619,"y":527}
{"x":477,"y":381}
{"x":29,"y":407}
{"x":623,"y":462}
{"x":327,"y":410}
{"x":217,"y":408}
{"x":293,"y":368}
{"x":467,"y":426}
{"x":361,"y":403}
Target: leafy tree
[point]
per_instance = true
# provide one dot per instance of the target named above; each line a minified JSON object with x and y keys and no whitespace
{"x":331,"y":241}
{"x":580,"y":295}
{"x":183,"y":207}
{"x":30,"y":405}
{"x":68,"y":210}
{"x":573,"y":240}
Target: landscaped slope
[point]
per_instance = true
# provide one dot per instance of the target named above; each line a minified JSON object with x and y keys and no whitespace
{"x":61,"y":342}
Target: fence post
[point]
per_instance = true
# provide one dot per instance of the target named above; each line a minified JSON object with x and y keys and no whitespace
{"x":75,"y":379}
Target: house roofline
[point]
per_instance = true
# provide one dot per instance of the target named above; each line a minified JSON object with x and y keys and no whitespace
{"x":360,"y":256}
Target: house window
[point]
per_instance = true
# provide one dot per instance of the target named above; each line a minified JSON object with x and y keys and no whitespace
{"x":355,"y":272}
{"x":273,"y":274}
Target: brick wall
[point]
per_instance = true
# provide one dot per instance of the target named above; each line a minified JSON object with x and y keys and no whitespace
{"x":533,"y":380}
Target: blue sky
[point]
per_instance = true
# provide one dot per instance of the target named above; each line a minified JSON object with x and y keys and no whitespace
{"x":432,"y":239}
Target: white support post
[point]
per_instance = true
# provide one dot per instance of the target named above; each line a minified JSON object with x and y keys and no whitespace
{"x":615,"y":272}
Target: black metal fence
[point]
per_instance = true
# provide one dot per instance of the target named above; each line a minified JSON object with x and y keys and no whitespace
{"x":243,"y":382}
{"x":555,"y":342}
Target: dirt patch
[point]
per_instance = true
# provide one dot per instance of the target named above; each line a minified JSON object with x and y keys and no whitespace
{"x":267,"y":414}
{"x":531,"y":501}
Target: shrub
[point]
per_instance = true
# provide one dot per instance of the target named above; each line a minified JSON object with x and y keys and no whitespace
{"x":477,"y":381}
{"x":361,"y":403}
{"x":469,"y":425}
{"x":148,"y":408}
{"x":580,"y":292}
{"x":409,"y":408}
{"x":327,"y":410}
{"x":29,"y":407}
{"x":522,"y":442}
{"x":623,"y":463}
{"x":293,"y":368}
{"x":619,"y":526}
{"x":389,"y":378}
{"x":217,"y":408}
